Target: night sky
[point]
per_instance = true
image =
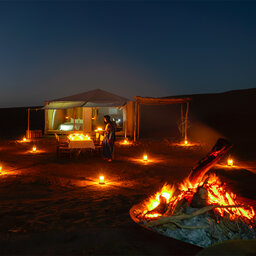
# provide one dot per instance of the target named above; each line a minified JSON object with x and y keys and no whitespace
{"x":149,"y":48}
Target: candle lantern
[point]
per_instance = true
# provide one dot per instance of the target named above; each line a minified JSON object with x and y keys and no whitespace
{"x":102,"y":180}
{"x":145,"y":158}
{"x":230,"y":162}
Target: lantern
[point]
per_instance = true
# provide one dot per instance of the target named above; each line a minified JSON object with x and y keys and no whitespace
{"x":186,"y":142}
{"x":230,"y":162}
{"x":1,"y":168}
{"x":145,"y":158}
{"x":101,"y":180}
{"x":34,"y":149}
{"x":24,"y":139}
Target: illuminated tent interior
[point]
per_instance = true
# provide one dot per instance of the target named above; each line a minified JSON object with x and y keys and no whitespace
{"x":85,"y":112}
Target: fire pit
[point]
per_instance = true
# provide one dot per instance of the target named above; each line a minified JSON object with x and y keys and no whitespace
{"x":201,"y":210}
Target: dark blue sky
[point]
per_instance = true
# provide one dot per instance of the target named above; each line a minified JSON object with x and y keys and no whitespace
{"x":149,"y":48}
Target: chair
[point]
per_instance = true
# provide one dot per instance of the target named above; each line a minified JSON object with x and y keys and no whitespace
{"x":62,"y":147}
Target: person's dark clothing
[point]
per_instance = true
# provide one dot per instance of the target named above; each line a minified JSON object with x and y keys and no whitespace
{"x":109,"y":140}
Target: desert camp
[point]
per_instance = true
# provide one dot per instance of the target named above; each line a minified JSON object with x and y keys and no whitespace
{"x":127,"y":128}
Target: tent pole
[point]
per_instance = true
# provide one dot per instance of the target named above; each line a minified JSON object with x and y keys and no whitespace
{"x":138,"y":133}
{"x":125,"y":124}
{"x":182,"y":121}
{"x":186,"y":122}
{"x":135,"y":121}
{"x":28,"y":131}
{"x":74,"y":116}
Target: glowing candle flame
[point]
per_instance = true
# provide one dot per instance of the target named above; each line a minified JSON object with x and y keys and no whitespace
{"x":34,"y":149}
{"x":145,"y":158}
{"x":24,"y":139}
{"x":230,"y":162}
{"x":125,"y":142}
{"x":185,"y":142}
{"x":102,"y":180}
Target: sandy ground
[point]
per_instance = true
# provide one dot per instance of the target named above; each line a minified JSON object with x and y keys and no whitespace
{"x":52,"y":206}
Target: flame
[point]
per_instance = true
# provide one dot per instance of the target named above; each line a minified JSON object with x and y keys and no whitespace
{"x":218,"y":194}
{"x":78,"y":137}
{"x":166,"y":191}
{"x":101,"y":180}
{"x":98,"y":129}
{"x":125,"y":142}
{"x":24,"y":139}
{"x":185,"y":142}
{"x":34,"y":149}
{"x":230,"y":162}
{"x":145,"y":158}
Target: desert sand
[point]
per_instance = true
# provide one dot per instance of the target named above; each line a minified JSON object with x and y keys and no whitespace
{"x":52,"y":206}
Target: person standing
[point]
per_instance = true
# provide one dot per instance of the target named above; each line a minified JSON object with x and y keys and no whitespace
{"x":109,"y":139}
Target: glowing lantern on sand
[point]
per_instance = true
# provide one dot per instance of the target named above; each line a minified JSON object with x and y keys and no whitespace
{"x":1,"y":169}
{"x":145,"y":158}
{"x":24,"y":139}
{"x":101,"y":180}
{"x":186,"y":142}
{"x":34,"y":149}
{"x":230,"y":162}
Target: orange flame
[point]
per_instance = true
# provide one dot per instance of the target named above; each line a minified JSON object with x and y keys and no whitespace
{"x":166,"y":191}
{"x":217,"y":195}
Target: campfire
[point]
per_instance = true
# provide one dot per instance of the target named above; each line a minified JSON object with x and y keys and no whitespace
{"x":201,"y":210}
{"x":78,"y":137}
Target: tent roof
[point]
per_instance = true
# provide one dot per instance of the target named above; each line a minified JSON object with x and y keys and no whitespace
{"x":94,"y":98}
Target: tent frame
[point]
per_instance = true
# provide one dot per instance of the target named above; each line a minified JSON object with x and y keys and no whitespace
{"x":159,"y":102}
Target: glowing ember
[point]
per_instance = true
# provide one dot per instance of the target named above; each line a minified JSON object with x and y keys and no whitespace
{"x":78,"y":137}
{"x":101,"y":180}
{"x":34,"y":149}
{"x":145,"y":158}
{"x":230,"y":162}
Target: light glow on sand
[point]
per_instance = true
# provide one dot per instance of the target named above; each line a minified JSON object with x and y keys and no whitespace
{"x":34,"y":149}
{"x":145,"y":158}
{"x":23,"y":140}
{"x":125,"y":142}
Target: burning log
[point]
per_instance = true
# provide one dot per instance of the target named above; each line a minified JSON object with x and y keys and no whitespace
{"x":163,"y":220}
{"x":199,"y":199}
{"x":160,"y":209}
{"x":203,"y":166}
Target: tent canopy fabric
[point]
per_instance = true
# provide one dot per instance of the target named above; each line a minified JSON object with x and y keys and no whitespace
{"x":160,"y":101}
{"x":94,"y":98}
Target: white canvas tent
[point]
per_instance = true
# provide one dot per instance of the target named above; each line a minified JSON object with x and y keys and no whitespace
{"x":85,"y":111}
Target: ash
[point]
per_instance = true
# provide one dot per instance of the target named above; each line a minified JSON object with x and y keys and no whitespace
{"x":211,"y":233}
